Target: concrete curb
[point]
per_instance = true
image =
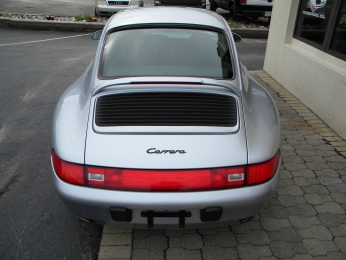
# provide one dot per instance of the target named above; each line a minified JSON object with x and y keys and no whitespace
{"x":50,"y":25}
{"x":252,"y":33}
{"x":91,"y":27}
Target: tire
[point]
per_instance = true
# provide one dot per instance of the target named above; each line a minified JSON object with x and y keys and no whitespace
{"x":233,"y":13}
{"x":213,"y":5}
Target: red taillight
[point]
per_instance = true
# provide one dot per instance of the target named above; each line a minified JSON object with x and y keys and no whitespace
{"x":262,"y":172}
{"x":68,"y":172}
{"x":243,"y":2}
{"x":165,"y":180}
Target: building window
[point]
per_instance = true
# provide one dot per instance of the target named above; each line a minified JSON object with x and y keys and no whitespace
{"x":322,"y":24}
{"x":338,"y":41}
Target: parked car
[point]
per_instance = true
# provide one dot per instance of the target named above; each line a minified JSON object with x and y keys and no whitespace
{"x":245,"y":8}
{"x":166,"y":128}
{"x":190,"y":3}
{"x":108,"y":7}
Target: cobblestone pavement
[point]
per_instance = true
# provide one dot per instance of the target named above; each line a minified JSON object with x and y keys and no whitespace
{"x":304,"y":220}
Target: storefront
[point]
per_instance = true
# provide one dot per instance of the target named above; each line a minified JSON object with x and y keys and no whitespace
{"x":306,"y":53}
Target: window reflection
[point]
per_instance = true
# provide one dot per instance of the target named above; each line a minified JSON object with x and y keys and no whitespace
{"x":338,"y":42}
{"x":313,"y":19}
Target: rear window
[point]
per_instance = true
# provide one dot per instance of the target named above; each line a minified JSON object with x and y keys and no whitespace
{"x":166,"y":52}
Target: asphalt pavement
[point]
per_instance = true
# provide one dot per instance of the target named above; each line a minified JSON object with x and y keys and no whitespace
{"x":251,"y":53}
{"x":35,"y":224}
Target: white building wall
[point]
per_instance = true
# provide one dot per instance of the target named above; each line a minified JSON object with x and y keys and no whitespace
{"x":316,"y":78}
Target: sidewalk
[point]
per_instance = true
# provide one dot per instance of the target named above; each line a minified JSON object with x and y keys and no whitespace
{"x":304,"y":220}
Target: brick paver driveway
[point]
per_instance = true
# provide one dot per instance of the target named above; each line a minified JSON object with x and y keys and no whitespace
{"x":304,"y":220}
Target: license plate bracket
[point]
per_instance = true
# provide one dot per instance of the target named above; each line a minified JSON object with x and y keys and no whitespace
{"x":181,"y":214}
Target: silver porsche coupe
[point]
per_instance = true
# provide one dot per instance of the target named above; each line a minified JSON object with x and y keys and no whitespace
{"x":166,"y":128}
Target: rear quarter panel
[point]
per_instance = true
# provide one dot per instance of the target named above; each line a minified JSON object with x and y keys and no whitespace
{"x":70,"y":120}
{"x":261,"y":118}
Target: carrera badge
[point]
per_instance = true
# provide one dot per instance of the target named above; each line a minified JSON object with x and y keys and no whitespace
{"x":155,"y":151}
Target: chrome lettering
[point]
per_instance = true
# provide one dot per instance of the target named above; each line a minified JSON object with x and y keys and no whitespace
{"x":155,"y":151}
{"x":149,"y":150}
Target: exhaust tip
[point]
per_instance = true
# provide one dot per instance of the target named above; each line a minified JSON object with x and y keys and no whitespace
{"x":242,"y":221}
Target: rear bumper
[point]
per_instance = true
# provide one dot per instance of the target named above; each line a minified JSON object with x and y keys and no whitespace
{"x":110,"y":9}
{"x":201,"y":4}
{"x":254,"y":11}
{"x":251,"y":13}
{"x":95,"y":204}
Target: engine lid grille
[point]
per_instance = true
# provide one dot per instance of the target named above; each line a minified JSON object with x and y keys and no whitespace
{"x":166,"y":109}
{"x":118,"y":2}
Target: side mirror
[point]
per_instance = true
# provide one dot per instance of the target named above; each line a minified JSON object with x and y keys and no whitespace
{"x":236,"y":37}
{"x":96,"y":35}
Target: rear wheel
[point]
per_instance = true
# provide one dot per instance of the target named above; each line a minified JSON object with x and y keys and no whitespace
{"x":213,"y":5}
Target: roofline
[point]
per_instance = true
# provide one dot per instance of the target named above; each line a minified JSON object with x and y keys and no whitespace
{"x":166,"y":15}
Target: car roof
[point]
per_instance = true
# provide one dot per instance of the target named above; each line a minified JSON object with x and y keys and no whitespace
{"x":167,"y":15}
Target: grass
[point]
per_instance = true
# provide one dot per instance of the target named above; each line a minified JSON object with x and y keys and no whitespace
{"x":85,"y":17}
{"x":235,"y":24}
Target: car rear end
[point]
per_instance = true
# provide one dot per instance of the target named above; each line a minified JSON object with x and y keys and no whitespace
{"x":140,"y":171}
{"x":167,"y":130}
{"x":109,"y":7}
{"x":255,"y":8}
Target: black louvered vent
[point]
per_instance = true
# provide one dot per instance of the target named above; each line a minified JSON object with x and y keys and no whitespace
{"x":166,"y":109}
